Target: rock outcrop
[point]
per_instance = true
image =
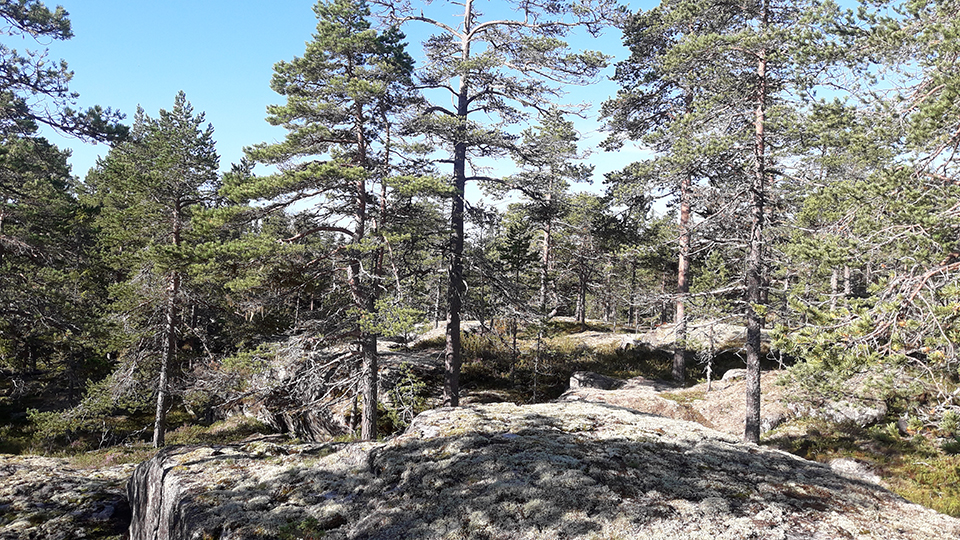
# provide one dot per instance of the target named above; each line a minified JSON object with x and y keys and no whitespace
{"x":500,"y":471}
{"x":48,"y":499}
{"x":701,"y":336}
{"x":719,"y":405}
{"x":721,"y":408}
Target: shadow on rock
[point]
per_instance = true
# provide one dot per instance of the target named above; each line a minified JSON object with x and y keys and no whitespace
{"x":497,"y":471}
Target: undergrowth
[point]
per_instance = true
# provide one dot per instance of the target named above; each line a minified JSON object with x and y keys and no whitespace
{"x":540,"y":370}
{"x":914,"y":466}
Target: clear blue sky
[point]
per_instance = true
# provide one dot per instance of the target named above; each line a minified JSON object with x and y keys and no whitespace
{"x":127,"y":53}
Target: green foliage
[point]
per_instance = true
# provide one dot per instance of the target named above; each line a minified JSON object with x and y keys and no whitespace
{"x":407,"y":398}
{"x":307,"y":529}
{"x":112,"y":456}
{"x":950,"y":424}
{"x":111,"y":409}
{"x":513,"y":247}
{"x":35,"y":90}
{"x":227,"y":431}
{"x":246,"y":364}
{"x":50,"y":279}
{"x":912,"y":467}
{"x":390,"y":318}
{"x":932,"y":482}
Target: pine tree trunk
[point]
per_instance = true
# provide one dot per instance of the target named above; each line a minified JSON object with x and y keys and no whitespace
{"x":582,"y":303}
{"x":456,"y":287}
{"x":664,"y":302}
{"x":361,"y":288}
{"x":683,"y":284}
{"x":437,"y":317}
{"x":545,"y":264}
{"x":169,"y":349}
{"x":632,"y":313}
{"x":755,"y":262}
{"x":368,"y":424}
{"x":166,"y":361}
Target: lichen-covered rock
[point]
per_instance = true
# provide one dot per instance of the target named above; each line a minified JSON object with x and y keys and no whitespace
{"x":719,"y":405}
{"x":46,"y":498}
{"x":701,"y":336}
{"x":500,"y":471}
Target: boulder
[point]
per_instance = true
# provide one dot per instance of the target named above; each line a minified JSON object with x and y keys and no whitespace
{"x":556,"y":470}
{"x":638,"y":393}
{"x":734,"y":374}
{"x":588,"y":379}
{"x":701,"y":336}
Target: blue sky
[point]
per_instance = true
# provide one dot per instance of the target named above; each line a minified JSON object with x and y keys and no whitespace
{"x":127,"y":53}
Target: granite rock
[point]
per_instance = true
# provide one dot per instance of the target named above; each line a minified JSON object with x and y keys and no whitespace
{"x":501,"y":471}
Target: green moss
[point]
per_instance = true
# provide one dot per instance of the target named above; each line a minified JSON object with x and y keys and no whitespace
{"x":109,"y":457}
{"x":223,"y":432}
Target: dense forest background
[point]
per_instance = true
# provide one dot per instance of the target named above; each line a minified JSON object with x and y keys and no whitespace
{"x":803,"y":178}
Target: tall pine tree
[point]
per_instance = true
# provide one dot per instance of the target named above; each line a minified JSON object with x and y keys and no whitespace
{"x":342,"y":97}
{"x":747,"y":59}
{"x":500,"y":70}
{"x":148,"y":188}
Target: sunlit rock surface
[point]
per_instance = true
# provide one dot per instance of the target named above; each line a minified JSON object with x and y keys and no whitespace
{"x":719,"y":404}
{"x":500,"y":471}
{"x":48,"y":499}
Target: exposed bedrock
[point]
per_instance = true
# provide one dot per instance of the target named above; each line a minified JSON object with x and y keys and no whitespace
{"x":555,"y":470}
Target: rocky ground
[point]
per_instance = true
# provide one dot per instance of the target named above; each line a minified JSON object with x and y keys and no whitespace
{"x":719,"y":404}
{"x":501,"y":471}
{"x":50,"y":499}
{"x":595,"y":464}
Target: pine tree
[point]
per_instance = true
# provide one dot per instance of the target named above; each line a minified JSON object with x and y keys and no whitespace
{"x":47,"y":269}
{"x":501,"y":68}
{"x":29,"y":74}
{"x":746,"y":59}
{"x":42,"y":225}
{"x":148,"y":188}
{"x":342,"y":96}
{"x":547,"y":156}
{"x":887,"y":212}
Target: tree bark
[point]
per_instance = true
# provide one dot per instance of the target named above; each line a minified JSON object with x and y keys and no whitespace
{"x":166,"y":361}
{"x":368,"y":423}
{"x":456,"y":287}
{"x":582,"y":302}
{"x":169,"y":349}
{"x":754,"y":271}
{"x":683,"y":284}
{"x":545,"y":260}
